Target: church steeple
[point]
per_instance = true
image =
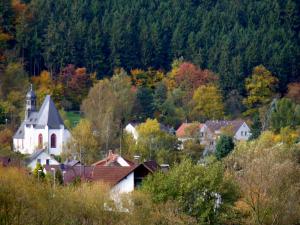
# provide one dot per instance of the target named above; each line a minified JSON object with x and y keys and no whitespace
{"x":30,"y":102}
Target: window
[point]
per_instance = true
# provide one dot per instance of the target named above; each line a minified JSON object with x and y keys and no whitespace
{"x":40,"y":141}
{"x":242,"y":133}
{"x":47,"y":161}
{"x":39,"y":161}
{"x":201,"y":134}
{"x":245,"y":133}
{"x":53,"y":141}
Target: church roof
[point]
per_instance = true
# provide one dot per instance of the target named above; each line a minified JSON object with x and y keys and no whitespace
{"x":47,"y":116}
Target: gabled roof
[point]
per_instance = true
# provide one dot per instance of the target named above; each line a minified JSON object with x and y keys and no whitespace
{"x":181,"y":131}
{"x":48,"y":114}
{"x":215,"y":125}
{"x":152,"y":165}
{"x":112,"y":160}
{"x":20,"y":132}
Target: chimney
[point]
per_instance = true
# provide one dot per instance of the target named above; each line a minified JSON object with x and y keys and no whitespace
{"x":165,"y":167}
{"x":137,"y":159}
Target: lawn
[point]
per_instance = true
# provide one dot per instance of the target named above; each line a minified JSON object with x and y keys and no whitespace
{"x":74,"y":117}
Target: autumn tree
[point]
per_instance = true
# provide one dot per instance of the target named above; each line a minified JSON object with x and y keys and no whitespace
{"x":267,"y":197}
{"x":108,"y":107}
{"x":76,"y":83}
{"x":45,"y":85}
{"x":83,"y":144}
{"x":207,"y":103}
{"x":154,"y":144}
{"x":294,"y":92}
{"x":260,"y":88}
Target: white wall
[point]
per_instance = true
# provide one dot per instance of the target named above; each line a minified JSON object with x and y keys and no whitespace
{"x":124,"y":186}
{"x":243,"y":133}
{"x":131,"y":130}
{"x":31,"y":138}
{"x":43,"y":156}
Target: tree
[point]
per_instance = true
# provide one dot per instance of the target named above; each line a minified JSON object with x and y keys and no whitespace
{"x":260,"y":89}
{"x":154,"y":144}
{"x":285,"y":114}
{"x":207,"y":103}
{"x":267,"y":197}
{"x":38,"y":172}
{"x":108,"y":107}
{"x":294,"y":92}
{"x":224,"y":146}
{"x":256,"y":127}
{"x":201,"y":191}
{"x":189,"y":77}
{"x":84,"y":144}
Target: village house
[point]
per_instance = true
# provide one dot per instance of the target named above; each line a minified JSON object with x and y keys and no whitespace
{"x":208,"y":133}
{"x":131,"y":128}
{"x":120,"y":174}
{"x":43,"y":129}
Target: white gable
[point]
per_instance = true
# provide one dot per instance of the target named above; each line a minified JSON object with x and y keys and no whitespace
{"x":243,"y":133}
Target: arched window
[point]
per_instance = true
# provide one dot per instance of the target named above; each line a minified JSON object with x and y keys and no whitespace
{"x":53,"y":141}
{"x":40,"y":141}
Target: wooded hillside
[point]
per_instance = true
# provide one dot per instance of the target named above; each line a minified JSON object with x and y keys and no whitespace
{"x":228,"y":37}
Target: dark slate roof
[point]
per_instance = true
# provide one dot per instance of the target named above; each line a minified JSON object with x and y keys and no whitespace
{"x":152,"y":165}
{"x":48,"y":114}
{"x":35,"y":155}
{"x":20,"y":132}
{"x":215,"y":125}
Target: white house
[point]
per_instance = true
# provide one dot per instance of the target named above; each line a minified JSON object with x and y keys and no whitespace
{"x":131,"y":129}
{"x":213,"y":129}
{"x":41,"y":157}
{"x":43,"y":129}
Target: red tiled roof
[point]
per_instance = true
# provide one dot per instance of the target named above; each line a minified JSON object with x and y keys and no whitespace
{"x":111,"y":175}
{"x":181,"y":131}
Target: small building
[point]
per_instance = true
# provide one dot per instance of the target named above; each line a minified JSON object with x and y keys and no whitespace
{"x":40,"y":157}
{"x":41,"y":129}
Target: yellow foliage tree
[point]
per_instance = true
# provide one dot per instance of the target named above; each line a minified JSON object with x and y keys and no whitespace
{"x":207,"y":103}
{"x":260,"y":88}
{"x":84,"y":142}
{"x":46,"y":86}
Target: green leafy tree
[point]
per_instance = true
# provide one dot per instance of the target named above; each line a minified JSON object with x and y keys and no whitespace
{"x":38,"y":172}
{"x":196,"y":189}
{"x":285,"y":114}
{"x":224,"y":146}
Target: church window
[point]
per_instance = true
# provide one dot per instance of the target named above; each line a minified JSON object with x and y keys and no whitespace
{"x":40,"y":140}
{"x":53,"y":141}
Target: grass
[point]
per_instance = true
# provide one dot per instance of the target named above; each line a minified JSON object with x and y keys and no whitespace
{"x":73,"y":117}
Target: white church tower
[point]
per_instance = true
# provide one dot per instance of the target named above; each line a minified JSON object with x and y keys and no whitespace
{"x":43,"y":129}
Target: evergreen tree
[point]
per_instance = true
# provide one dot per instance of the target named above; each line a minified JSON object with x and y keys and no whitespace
{"x":224,"y":146}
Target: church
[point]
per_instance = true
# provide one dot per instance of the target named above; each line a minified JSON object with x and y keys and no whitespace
{"x":43,"y":129}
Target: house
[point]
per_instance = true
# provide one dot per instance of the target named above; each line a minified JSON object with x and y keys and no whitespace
{"x":209,"y":132}
{"x":42,"y":157}
{"x":131,"y":128}
{"x":213,"y":129}
{"x":113,"y":159}
{"x":43,"y":129}
{"x":188,"y":131}
{"x":121,"y":174}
